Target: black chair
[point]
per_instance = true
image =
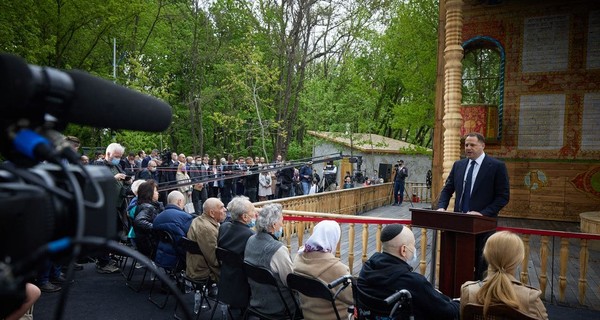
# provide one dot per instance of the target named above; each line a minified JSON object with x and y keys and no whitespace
{"x":201,"y":285}
{"x":265,"y":276}
{"x":171,"y":271}
{"x":369,"y":307}
{"x":474,"y":311}
{"x":312,"y":287}
{"x":132,"y":269}
{"x":234,"y":260}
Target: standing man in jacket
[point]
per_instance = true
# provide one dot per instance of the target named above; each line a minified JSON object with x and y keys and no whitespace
{"x":480,"y":186}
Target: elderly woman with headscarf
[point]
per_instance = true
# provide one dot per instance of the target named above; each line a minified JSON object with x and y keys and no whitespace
{"x":317,"y":259}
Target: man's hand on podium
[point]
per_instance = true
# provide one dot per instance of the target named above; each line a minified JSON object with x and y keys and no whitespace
{"x":474,"y":213}
{"x":441,"y":209}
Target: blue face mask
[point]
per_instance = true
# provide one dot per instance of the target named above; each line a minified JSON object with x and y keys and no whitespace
{"x":414,"y":261}
{"x":115,"y":161}
{"x":278,"y":233}
{"x":252,"y":223}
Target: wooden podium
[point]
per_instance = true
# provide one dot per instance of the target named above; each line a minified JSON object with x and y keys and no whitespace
{"x":457,"y":249}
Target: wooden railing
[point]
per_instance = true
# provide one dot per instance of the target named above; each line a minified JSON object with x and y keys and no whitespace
{"x":299,"y":224}
{"x":567,"y":242}
{"x":350,"y":201}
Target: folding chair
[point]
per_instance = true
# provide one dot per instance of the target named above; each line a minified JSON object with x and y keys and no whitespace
{"x":201,"y":285}
{"x":171,"y":271}
{"x":474,"y":311}
{"x":132,"y":269}
{"x":312,"y":287}
{"x":265,"y":276}
{"x":227,"y":257}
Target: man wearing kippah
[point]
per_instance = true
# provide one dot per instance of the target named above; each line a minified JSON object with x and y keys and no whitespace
{"x":390,"y":271}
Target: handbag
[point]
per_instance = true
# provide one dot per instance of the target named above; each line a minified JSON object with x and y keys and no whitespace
{"x":189,"y":207}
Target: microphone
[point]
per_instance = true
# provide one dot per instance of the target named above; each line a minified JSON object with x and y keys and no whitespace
{"x":31,"y":92}
{"x":460,"y":200}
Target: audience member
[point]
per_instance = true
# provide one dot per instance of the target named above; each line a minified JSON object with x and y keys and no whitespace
{"x":503,"y":251}
{"x":131,"y":209}
{"x":389,"y":271}
{"x":264,"y":250}
{"x":147,"y":209}
{"x":149,"y":172}
{"x":50,"y":277}
{"x":112,"y":158}
{"x":177,"y":223}
{"x":251,"y":180}
{"x":264,"y":188}
{"x":204,"y":231}
{"x":317,"y":259}
{"x":183,"y":180}
{"x":348,"y":183}
{"x":306,"y":177}
{"x":233,"y":284}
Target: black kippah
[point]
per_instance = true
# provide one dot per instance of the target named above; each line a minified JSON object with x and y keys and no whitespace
{"x":390,"y":231}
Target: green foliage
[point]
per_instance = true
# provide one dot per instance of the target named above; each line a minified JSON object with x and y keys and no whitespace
{"x":244,"y":77}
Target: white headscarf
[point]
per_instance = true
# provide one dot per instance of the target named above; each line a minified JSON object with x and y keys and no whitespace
{"x":325,"y":237}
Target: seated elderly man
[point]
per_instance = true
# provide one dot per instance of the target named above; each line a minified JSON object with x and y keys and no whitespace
{"x":177,"y":223}
{"x":389,"y":271}
{"x":264,"y":250}
{"x":204,"y":231}
{"x":233,"y":284}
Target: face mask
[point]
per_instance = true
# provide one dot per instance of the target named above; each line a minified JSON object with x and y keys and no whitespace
{"x":152,"y":169}
{"x":115,"y":161}
{"x":414,"y":261}
{"x":252,"y":223}
{"x":278,"y":233}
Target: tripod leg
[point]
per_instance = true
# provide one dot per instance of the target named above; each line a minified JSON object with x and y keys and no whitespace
{"x":409,"y":197}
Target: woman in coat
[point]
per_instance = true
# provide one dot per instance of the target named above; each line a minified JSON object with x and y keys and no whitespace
{"x":147,"y":209}
{"x":503,"y":251}
{"x":317,"y":259}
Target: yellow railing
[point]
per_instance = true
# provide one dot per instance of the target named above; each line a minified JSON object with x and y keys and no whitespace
{"x":360,"y":239}
{"x":350,"y":201}
{"x":565,"y":242}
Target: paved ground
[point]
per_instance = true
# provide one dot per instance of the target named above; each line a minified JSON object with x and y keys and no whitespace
{"x":105,"y":297}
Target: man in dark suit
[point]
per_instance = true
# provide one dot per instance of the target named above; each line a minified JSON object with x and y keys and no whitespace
{"x":488,"y":193}
{"x":233,"y":283}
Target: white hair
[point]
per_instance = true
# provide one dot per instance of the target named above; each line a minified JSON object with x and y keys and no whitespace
{"x":238,"y":206}
{"x":135,"y":185}
{"x":115,"y":147}
{"x":268,"y":216}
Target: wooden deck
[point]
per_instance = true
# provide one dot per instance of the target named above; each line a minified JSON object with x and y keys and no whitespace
{"x":592,"y":299}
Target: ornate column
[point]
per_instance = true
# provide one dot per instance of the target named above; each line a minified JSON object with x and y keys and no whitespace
{"x":453,"y":54}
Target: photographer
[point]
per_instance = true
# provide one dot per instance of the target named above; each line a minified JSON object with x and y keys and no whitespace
{"x":399,"y":177}
{"x":330,"y":176}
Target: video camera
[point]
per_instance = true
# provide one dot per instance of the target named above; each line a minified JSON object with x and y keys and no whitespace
{"x":48,"y":201}
{"x":165,"y":157}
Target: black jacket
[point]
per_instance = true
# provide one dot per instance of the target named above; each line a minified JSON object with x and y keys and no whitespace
{"x":233,"y":284}
{"x":142,"y":226}
{"x":383,"y":274}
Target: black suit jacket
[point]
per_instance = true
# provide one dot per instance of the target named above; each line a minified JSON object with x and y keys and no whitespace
{"x":233,"y":283}
{"x":491,"y":190}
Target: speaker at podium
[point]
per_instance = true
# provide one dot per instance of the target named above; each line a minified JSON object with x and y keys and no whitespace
{"x":385,"y":171}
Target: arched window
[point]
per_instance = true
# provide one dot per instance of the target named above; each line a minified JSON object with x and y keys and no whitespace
{"x":483,"y":87}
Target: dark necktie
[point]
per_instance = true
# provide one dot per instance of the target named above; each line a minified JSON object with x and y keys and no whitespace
{"x":467,"y":188}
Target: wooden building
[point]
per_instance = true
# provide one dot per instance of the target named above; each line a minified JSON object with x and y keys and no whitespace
{"x":378,"y":154}
{"x":526,"y":74}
